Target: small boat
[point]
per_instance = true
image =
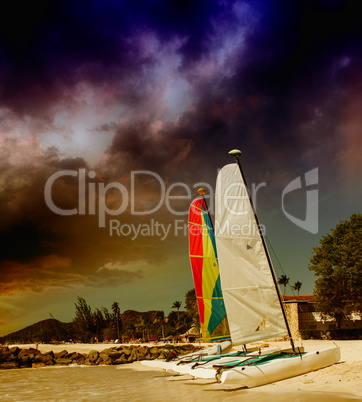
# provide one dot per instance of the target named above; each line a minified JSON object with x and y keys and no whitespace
{"x":252,"y":299}
{"x":181,"y":364}
{"x":276,"y":367}
{"x":206,"y":367}
{"x":211,"y":306}
{"x":250,"y":296}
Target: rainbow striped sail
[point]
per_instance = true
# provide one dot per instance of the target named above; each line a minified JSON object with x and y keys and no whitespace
{"x":205,"y":269}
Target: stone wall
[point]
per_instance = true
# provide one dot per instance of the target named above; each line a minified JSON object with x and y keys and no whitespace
{"x":291,"y":311}
{"x":12,"y":358}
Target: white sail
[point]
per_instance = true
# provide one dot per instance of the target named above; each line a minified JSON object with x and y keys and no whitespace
{"x":251,"y":299}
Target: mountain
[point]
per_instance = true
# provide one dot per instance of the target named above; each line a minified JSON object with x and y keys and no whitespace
{"x":45,"y":331}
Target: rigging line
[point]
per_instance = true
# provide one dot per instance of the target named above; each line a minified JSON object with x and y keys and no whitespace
{"x":277,"y":259}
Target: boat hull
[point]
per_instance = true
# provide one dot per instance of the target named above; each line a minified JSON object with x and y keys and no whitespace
{"x":174,"y":366}
{"x":280,"y":369}
{"x":204,"y":368}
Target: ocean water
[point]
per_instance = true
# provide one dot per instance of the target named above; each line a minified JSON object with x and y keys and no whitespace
{"x":121,"y":383}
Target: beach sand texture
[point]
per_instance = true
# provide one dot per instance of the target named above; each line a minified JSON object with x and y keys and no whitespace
{"x":344,"y":377}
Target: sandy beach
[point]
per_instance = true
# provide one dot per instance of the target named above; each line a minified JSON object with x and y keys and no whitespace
{"x":344,"y":377}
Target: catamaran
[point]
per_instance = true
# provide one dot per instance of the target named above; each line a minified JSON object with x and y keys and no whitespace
{"x":255,"y":312}
{"x":206,"y":275}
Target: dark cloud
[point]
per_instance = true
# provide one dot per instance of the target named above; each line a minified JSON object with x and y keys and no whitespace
{"x":41,"y":249}
{"x":61,"y":42}
{"x":52,"y":271}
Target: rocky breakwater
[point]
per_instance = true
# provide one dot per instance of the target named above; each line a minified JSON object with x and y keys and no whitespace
{"x":14,"y":357}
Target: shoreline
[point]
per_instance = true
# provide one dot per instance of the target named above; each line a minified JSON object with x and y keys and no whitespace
{"x":343,"y":377}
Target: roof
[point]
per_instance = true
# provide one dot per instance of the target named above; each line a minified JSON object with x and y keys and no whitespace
{"x":298,"y":299}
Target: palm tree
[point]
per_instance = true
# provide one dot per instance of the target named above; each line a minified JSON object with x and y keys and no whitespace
{"x":177,"y":305}
{"x":283,"y":280}
{"x":132,"y":330}
{"x":116,"y":313}
{"x":147,"y":323}
{"x":141,"y":326}
{"x":297,"y":285}
{"x":160,"y":318}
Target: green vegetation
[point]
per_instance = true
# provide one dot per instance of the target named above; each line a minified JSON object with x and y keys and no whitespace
{"x":109,"y":325}
{"x":192,"y":308}
{"x":283,"y":280}
{"x":297,"y":285}
{"x":338,"y":264}
{"x":177,"y":306}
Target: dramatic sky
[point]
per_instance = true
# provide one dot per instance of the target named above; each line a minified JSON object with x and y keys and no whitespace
{"x":110,"y":110}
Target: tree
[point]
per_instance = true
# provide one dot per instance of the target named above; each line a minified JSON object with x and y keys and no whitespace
{"x":159,"y":318}
{"x":297,"y":285}
{"x":106,"y":315}
{"x":147,"y":321}
{"x":99,"y":321}
{"x":283,"y":280}
{"x":338,"y":264}
{"x":192,"y":308}
{"x":140,"y":326}
{"x":177,"y":306}
{"x":116,"y":314}
{"x":83,"y":320}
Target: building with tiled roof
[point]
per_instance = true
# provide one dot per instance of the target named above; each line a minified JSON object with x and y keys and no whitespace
{"x":305,"y":321}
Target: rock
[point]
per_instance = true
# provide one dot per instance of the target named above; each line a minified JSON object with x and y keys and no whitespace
{"x":25,"y":357}
{"x":112,"y":353}
{"x":38,"y":365}
{"x":46,"y":359}
{"x":93,"y":356}
{"x":163,"y":354}
{"x":154,"y":352}
{"x":104,"y":359}
{"x":78,"y":358}
{"x":21,"y":358}
{"x":142,"y":351}
{"x":5,"y":354}
{"x":23,"y":352}
{"x":133,"y":356}
{"x":25,"y":364}
{"x":149,"y":357}
{"x":70,"y":355}
{"x":126,"y":351}
{"x":11,"y":358}
{"x":61,"y":354}
{"x":122,"y":360}
{"x":15,"y":350}
{"x":33,"y":351}
{"x":62,"y":361}
{"x":109,"y":350}
{"x":9,"y":365}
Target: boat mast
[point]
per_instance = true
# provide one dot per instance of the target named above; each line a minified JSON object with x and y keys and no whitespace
{"x":236,"y":154}
{"x":202,"y":192}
